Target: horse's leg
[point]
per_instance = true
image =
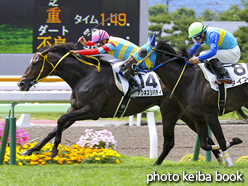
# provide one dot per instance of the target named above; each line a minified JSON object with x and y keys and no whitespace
{"x":235,"y":141}
{"x":171,"y":112}
{"x":168,"y":133}
{"x":214,"y":125}
{"x":51,"y":135}
{"x":80,"y":114}
{"x":202,"y":131}
{"x":191,"y":125}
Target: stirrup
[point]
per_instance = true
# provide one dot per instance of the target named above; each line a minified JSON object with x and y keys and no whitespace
{"x":134,"y":90}
{"x":222,"y":80}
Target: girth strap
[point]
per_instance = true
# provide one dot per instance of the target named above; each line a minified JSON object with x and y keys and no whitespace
{"x":222,"y":98}
{"x":122,"y":107}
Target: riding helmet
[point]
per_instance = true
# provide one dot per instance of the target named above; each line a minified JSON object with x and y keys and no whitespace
{"x":99,"y":35}
{"x":196,"y":28}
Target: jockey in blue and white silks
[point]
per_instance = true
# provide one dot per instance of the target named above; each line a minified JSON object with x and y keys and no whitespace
{"x":223,"y":47}
{"x":218,"y":39}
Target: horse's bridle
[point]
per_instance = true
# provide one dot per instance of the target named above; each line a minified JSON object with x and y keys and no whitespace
{"x":153,"y":49}
{"x":167,"y":61}
{"x":54,"y":66}
{"x":43,"y":65}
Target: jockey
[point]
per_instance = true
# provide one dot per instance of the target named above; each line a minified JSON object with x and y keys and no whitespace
{"x":223,"y":48}
{"x":115,"y":46}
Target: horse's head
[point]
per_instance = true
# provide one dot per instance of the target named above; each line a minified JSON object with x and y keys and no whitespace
{"x":152,"y":54}
{"x":43,"y":64}
{"x":33,"y":69}
{"x":145,"y":57}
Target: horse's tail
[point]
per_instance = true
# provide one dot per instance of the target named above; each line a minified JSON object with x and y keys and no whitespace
{"x":241,"y":114}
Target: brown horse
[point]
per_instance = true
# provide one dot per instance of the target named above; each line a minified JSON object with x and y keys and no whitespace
{"x":95,"y":95}
{"x":196,"y":98}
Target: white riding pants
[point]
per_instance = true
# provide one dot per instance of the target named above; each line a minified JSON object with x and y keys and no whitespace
{"x":226,"y":56}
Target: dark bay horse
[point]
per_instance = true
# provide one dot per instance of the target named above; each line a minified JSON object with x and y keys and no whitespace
{"x":95,"y":95}
{"x":196,"y":98}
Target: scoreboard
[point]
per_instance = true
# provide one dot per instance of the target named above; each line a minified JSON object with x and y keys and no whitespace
{"x":60,"y":21}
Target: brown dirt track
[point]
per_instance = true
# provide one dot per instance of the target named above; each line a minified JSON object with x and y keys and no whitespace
{"x":135,"y":140}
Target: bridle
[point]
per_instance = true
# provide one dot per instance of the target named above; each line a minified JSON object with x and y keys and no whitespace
{"x":60,"y":60}
{"x":165,"y":62}
{"x":153,"y":49}
{"x":43,"y":65}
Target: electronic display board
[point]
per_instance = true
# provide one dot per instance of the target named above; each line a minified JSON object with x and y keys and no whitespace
{"x":60,"y":21}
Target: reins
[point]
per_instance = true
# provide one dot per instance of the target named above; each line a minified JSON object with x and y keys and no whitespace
{"x":167,"y":61}
{"x":61,"y":59}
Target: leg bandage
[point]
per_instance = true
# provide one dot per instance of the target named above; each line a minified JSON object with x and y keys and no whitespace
{"x":228,"y":159}
{"x":217,"y":147}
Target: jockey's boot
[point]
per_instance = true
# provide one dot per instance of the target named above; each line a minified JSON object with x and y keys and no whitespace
{"x":134,"y":85}
{"x":222,"y":71}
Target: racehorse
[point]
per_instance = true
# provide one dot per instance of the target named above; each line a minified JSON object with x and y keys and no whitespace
{"x":94,"y":94}
{"x":196,"y":98}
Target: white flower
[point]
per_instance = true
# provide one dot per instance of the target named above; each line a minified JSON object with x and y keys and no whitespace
{"x":97,"y":139}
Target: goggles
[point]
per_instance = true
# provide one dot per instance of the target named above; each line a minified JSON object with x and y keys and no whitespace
{"x":198,"y":38}
{"x":98,"y":44}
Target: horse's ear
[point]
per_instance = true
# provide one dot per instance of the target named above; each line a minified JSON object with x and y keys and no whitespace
{"x":152,"y":42}
{"x":149,"y":39}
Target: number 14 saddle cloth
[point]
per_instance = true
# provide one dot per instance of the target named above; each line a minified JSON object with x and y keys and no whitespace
{"x":149,"y":82}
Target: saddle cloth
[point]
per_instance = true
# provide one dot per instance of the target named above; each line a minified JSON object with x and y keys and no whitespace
{"x":149,"y":82}
{"x":237,"y":71}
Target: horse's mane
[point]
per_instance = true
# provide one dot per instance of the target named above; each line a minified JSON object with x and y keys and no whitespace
{"x":163,"y":46}
{"x":66,"y":47}
{"x":61,"y":48}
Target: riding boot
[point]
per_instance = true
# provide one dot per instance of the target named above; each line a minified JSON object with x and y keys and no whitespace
{"x":134,"y":85}
{"x":222,"y":71}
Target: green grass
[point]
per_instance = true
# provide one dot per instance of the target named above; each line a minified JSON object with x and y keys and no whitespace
{"x":131,"y":171}
{"x":16,"y":38}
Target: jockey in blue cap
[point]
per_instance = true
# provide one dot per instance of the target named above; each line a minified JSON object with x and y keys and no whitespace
{"x":223,"y":48}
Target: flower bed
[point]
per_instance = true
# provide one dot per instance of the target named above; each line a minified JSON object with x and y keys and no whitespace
{"x":67,"y":155}
{"x":21,"y":135}
{"x":93,"y":151}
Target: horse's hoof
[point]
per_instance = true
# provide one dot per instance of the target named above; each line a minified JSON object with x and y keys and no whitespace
{"x":220,"y":159}
{"x":229,"y":164}
{"x":54,"y":153}
{"x":237,"y":140}
{"x":26,"y":153}
{"x":157,"y":164}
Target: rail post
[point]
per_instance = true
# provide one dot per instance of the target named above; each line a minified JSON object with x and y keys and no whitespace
{"x":13,"y":135}
{"x":197,"y":149}
{"x":4,"y":139}
{"x":10,"y":125}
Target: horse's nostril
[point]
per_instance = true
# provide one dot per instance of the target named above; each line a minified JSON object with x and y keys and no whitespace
{"x":20,"y":84}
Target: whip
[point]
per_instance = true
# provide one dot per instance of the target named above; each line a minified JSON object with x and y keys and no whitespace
{"x":98,"y":25}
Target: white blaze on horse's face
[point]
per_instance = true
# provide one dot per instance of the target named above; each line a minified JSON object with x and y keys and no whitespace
{"x":31,"y":60}
{"x":34,"y":59}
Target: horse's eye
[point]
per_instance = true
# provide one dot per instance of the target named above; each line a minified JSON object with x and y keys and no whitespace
{"x":35,"y":63}
{"x":142,"y":52}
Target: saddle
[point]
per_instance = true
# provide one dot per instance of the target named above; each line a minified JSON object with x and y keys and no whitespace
{"x":214,"y":71}
{"x":238,"y":73}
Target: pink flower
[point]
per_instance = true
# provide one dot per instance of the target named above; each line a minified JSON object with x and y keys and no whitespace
{"x":97,"y":139}
{"x":22,"y":136}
